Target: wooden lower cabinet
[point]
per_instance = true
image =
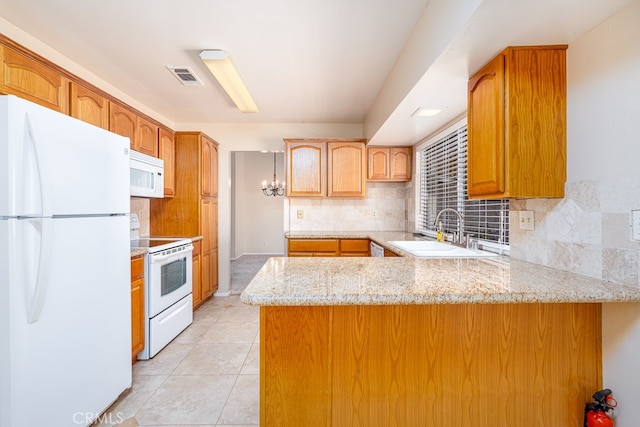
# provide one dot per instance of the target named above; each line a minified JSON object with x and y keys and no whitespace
{"x":354,"y":247}
{"x":429,"y":365}
{"x":196,"y":273}
{"x":313,"y":247}
{"x":328,"y":247}
{"x":137,"y":306}
{"x":388,"y":253}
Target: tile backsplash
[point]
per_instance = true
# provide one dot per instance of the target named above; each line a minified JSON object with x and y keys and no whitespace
{"x":384,"y":209}
{"x":588,"y":232}
{"x":141,"y":206}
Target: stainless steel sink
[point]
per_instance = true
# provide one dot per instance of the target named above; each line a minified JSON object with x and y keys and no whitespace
{"x":431,"y":249}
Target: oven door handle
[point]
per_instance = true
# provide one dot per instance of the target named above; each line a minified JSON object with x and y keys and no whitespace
{"x":176,"y":255}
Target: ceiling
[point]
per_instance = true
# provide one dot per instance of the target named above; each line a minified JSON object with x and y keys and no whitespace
{"x":332,"y":61}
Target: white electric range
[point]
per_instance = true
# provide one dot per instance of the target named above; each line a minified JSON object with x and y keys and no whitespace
{"x":168,"y":287}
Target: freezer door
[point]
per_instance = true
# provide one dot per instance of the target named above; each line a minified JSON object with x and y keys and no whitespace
{"x":52,"y":164}
{"x":73,"y":359}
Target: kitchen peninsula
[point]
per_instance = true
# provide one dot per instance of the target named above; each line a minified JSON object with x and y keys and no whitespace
{"x":414,"y":342}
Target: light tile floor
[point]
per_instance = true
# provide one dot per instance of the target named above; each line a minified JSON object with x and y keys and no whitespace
{"x":208,"y":376}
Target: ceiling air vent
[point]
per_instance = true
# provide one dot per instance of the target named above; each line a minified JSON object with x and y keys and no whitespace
{"x":185,"y":75}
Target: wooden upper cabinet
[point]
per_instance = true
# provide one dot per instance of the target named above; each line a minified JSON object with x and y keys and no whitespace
{"x":389,"y":163}
{"x":167,"y":152}
{"x":123,"y":122}
{"x":346,"y":169}
{"x":378,"y":163}
{"x":31,"y":79}
{"x":142,"y":133}
{"x":517,"y":124}
{"x":306,"y":168}
{"x":88,"y":106}
{"x":326,"y":168}
{"x":146,"y":137}
{"x":209,"y":176}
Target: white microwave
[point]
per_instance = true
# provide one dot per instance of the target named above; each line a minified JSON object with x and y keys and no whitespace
{"x":147,"y":175}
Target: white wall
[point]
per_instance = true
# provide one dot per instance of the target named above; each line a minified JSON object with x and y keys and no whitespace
{"x":588,"y":232}
{"x":257,"y":219}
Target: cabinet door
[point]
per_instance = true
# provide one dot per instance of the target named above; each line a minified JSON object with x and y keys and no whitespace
{"x":123,"y":122}
{"x":312,"y":247}
{"x":146,"y":137}
{"x":207,"y":215}
{"x":486,"y":138}
{"x":354,"y":247}
{"x":32,"y":80}
{"x":209,"y":154}
{"x":88,"y":106}
{"x":196,"y":273}
{"x":306,"y":169}
{"x":400,"y":161}
{"x":346,"y":169}
{"x":167,"y":152}
{"x":137,"y":306}
{"x":378,"y":164}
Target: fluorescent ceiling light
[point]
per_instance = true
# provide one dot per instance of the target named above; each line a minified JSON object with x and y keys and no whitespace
{"x":425,"y":112}
{"x":218,"y":62}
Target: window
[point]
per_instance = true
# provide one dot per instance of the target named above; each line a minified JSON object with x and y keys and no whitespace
{"x":442,"y":166}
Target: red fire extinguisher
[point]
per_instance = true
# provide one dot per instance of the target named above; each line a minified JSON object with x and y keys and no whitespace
{"x":599,"y":413}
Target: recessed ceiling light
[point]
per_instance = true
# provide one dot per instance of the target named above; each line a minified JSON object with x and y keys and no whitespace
{"x":425,"y":112}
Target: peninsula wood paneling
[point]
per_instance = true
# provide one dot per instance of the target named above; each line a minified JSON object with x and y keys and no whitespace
{"x":429,"y":365}
{"x":295,"y":366}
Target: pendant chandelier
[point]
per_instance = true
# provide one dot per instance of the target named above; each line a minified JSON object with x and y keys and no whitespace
{"x":275,"y":188}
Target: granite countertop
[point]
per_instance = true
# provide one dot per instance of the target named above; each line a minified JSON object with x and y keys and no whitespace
{"x":138,"y":251}
{"x":408,"y":280}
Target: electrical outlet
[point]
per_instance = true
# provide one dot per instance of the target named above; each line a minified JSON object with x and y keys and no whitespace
{"x":300,"y":214}
{"x":526,"y":220}
{"x":374,"y":214}
{"x":140,"y":215}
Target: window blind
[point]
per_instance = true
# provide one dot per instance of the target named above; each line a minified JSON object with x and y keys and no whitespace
{"x":443,"y":184}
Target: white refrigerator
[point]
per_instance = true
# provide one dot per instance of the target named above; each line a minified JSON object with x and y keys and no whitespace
{"x":65,"y":307}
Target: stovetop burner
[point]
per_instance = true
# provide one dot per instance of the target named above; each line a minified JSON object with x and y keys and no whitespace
{"x":157,"y":244}
{"x":153,"y":244}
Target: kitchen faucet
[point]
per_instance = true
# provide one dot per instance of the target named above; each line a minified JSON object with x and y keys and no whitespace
{"x":458,"y":237}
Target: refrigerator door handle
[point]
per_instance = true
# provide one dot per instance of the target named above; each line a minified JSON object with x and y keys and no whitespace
{"x":32,"y":140}
{"x":36,"y":293}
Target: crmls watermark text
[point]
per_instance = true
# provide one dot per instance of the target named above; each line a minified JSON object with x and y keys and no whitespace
{"x":87,"y":418}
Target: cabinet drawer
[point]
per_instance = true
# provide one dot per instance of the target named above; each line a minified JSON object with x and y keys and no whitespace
{"x":318,"y":245}
{"x":354,"y":245}
{"x":137,"y":267}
